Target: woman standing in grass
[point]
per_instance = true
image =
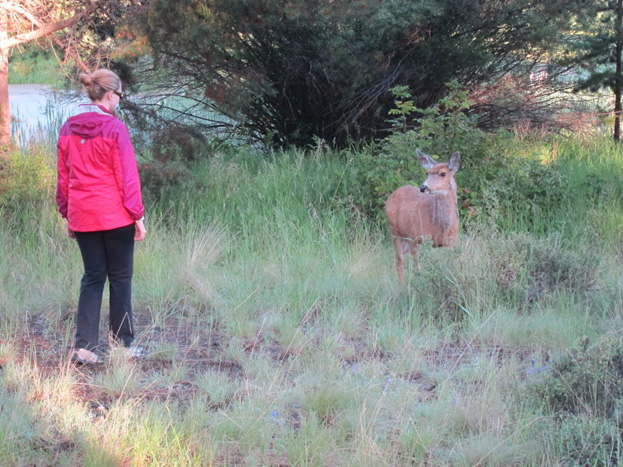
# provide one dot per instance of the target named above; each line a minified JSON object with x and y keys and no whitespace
{"x":99,"y":193}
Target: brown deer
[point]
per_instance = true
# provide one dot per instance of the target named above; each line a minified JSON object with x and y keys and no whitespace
{"x":428,"y":211}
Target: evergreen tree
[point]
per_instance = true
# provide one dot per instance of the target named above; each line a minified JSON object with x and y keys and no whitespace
{"x":596,"y":50}
{"x":293,"y":70}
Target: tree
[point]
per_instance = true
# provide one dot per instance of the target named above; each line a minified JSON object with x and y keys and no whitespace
{"x":596,"y":50}
{"x":23,"y":21}
{"x":294,"y":70}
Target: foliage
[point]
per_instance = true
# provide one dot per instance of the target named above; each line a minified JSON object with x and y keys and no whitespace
{"x":100,"y":41}
{"x":171,"y":121}
{"x":498,"y":180}
{"x":531,"y":270}
{"x":541,"y":101}
{"x":586,"y":380}
{"x":443,"y":128}
{"x":587,"y":439}
{"x":26,"y":180}
{"x":177,"y":143}
{"x":34,"y":65}
{"x":292,"y":71}
{"x":592,"y":45}
{"x":169,"y":157}
{"x":582,"y":389}
{"x":440,"y":129}
{"x":512,"y":185}
{"x":158,"y":179}
{"x":521,"y":272}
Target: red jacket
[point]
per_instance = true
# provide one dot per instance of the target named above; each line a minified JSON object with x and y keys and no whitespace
{"x":98,"y":184}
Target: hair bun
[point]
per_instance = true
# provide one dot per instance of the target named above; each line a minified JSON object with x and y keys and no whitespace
{"x":98,"y":83}
{"x":86,"y":80}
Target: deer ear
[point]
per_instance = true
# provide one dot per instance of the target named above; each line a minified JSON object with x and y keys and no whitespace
{"x":455,"y":160}
{"x":426,"y":161}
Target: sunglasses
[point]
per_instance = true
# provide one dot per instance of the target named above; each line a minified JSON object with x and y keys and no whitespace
{"x":121,"y":94}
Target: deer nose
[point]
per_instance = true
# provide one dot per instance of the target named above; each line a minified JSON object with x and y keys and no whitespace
{"x":423,"y":188}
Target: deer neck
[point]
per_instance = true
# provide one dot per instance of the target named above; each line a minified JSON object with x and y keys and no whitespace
{"x":444,"y":210}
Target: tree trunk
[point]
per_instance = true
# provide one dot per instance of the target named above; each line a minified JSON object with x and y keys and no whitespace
{"x":618,"y":80}
{"x":5,"y":110}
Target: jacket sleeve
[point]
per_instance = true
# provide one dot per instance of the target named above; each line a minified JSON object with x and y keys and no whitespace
{"x":62,"y":174}
{"x":126,"y":174}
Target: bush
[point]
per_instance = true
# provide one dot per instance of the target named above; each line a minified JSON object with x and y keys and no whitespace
{"x":160,"y":180}
{"x":587,"y":440}
{"x":174,"y":151}
{"x":299,"y":70}
{"x":498,"y":180}
{"x":583,"y":390}
{"x":585,"y":381}
{"x":442,"y":129}
{"x":516,"y":192}
{"x":178,"y":143}
{"x":26,"y":180}
{"x":530,"y":270}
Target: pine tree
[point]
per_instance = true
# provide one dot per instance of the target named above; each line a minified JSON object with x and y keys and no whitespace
{"x":596,"y":51}
{"x":294,"y":70}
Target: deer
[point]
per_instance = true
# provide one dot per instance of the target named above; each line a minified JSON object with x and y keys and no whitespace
{"x":428,"y":211}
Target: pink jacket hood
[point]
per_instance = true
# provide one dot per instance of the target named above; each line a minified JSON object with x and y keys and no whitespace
{"x":84,"y":126}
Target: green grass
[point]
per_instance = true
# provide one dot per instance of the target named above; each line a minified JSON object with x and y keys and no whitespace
{"x":278,"y":334}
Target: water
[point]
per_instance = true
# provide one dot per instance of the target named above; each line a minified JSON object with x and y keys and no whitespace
{"x":37,"y":112}
{"x":28,"y":102}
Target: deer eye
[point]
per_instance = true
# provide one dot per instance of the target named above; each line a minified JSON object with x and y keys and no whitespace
{"x":442,"y":174}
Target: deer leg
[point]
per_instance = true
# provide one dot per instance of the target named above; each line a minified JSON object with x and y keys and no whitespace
{"x":400,"y":266}
{"x":414,"y":251}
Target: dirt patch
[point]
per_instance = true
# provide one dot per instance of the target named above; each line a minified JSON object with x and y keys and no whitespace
{"x":205,"y":350}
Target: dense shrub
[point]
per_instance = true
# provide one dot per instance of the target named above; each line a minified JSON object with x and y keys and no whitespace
{"x":160,"y":180}
{"x":589,"y":440}
{"x":297,"y":70}
{"x":26,"y":180}
{"x":497,"y":178}
{"x":514,"y":185}
{"x":442,"y":130}
{"x":178,"y":143}
{"x":529,"y":270}
{"x":171,"y":156}
{"x":583,"y":390}
{"x":586,"y":380}
{"x":512,"y":271}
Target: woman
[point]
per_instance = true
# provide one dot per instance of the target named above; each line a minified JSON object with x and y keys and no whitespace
{"x":99,"y":193}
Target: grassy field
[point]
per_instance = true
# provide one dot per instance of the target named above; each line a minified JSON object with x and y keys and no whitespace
{"x":278,"y":334}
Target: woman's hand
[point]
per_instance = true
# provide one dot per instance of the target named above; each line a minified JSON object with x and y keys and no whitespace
{"x":70,"y":233}
{"x":141,"y":231}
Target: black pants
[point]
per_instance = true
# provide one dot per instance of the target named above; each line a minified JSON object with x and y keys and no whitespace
{"x":106,"y":254}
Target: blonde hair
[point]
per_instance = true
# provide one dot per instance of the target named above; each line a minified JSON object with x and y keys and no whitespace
{"x":99,"y":83}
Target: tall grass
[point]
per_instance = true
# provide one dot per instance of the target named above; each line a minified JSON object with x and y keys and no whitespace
{"x":278,"y":334}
